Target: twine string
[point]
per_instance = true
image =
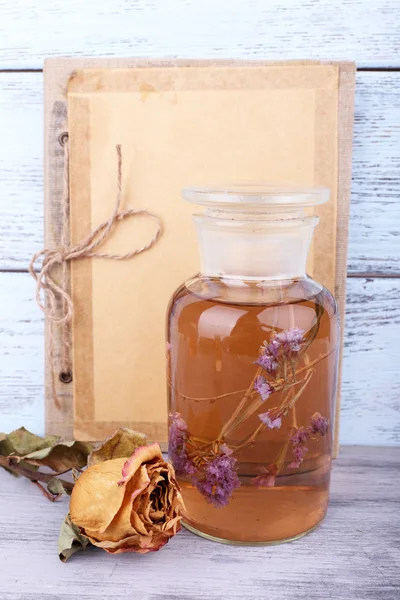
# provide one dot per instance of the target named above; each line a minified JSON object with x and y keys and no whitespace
{"x":53,"y":298}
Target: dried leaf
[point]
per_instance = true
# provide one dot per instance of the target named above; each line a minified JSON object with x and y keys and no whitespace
{"x":6,"y":447}
{"x":5,"y":464}
{"x":13,"y":443}
{"x":75,"y":475}
{"x":121,"y":444}
{"x":61,"y":457}
{"x":21,"y":442}
{"x":70,"y":540}
{"x":56,"y":487}
{"x":3,"y":453}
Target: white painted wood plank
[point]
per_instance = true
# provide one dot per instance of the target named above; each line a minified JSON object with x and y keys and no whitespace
{"x":374,"y":238}
{"x":363,"y":30}
{"x":21,"y":168}
{"x":355,"y":552}
{"x":21,"y":354}
{"x":371,"y":367}
{"x":370,"y":399}
{"x":375,"y":212}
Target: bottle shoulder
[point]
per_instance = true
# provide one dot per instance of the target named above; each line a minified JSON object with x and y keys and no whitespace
{"x":215,"y":310}
{"x":257,"y":293}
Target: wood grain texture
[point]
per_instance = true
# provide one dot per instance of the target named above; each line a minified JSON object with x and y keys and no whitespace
{"x":371,"y":363}
{"x":374,"y":236}
{"x":375,"y":214}
{"x":21,"y":168}
{"x":362,"y":30}
{"x":370,"y":397}
{"x":22,"y":356}
{"x":353,"y":555}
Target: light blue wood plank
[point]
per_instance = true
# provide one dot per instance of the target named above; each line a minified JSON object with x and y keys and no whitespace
{"x":362,"y":30}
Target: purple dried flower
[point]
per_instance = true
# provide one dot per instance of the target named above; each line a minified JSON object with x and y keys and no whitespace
{"x":273,"y":347}
{"x":267,"y":476}
{"x":300,"y":437}
{"x":291,"y":339}
{"x":267,"y":362}
{"x":178,"y":434}
{"x":219,"y":480}
{"x":262,"y":386}
{"x":270,"y":420}
{"x":318,"y":424}
{"x":281,"y":346}
{"x":224,"y":449}
{"x":298,"y":455}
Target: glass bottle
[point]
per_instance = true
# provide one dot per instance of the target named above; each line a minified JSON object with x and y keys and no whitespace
{"x":252,"y":366}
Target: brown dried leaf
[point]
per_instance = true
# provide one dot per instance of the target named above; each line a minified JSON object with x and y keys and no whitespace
{"x":6,"y":446}
{"x":4,"y":463}
{"x":121,"y":444}
{"x":21,"y":442}
{"x":75,"y":474}
{"x":55,"y":486}
{"x":70,"y":540}
{"x":61,"y":457}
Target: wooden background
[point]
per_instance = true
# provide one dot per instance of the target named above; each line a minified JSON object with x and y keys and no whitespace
{"x":366,"y":31}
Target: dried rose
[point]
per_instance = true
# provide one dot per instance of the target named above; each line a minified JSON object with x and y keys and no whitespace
{"x":128,"y":505}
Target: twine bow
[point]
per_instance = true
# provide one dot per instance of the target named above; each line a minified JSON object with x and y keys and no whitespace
{"x":58,"y":304}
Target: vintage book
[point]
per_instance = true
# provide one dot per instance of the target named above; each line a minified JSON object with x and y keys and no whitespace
{"x":178,"y":123}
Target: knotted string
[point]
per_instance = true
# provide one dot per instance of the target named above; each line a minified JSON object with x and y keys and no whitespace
{"x":58,"y":304}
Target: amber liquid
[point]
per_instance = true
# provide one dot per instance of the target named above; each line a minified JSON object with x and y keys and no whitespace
{"x":213,"y":345}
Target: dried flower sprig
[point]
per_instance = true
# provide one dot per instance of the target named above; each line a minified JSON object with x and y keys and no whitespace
{"x":218,"y":479}
{"x":207,"y":464}
{"x":210,"y":466}
{"x":283,"y":347}
{"x":317,"y":427}
{"x":178,"y":434}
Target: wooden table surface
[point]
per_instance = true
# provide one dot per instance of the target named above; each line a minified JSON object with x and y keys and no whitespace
{"x":354,"y":554}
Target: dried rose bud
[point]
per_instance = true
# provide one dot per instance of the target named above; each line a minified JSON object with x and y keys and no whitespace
{"x":128,"y":505}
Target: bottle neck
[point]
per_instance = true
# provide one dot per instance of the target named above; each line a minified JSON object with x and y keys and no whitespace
{"x":254,"y":247}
